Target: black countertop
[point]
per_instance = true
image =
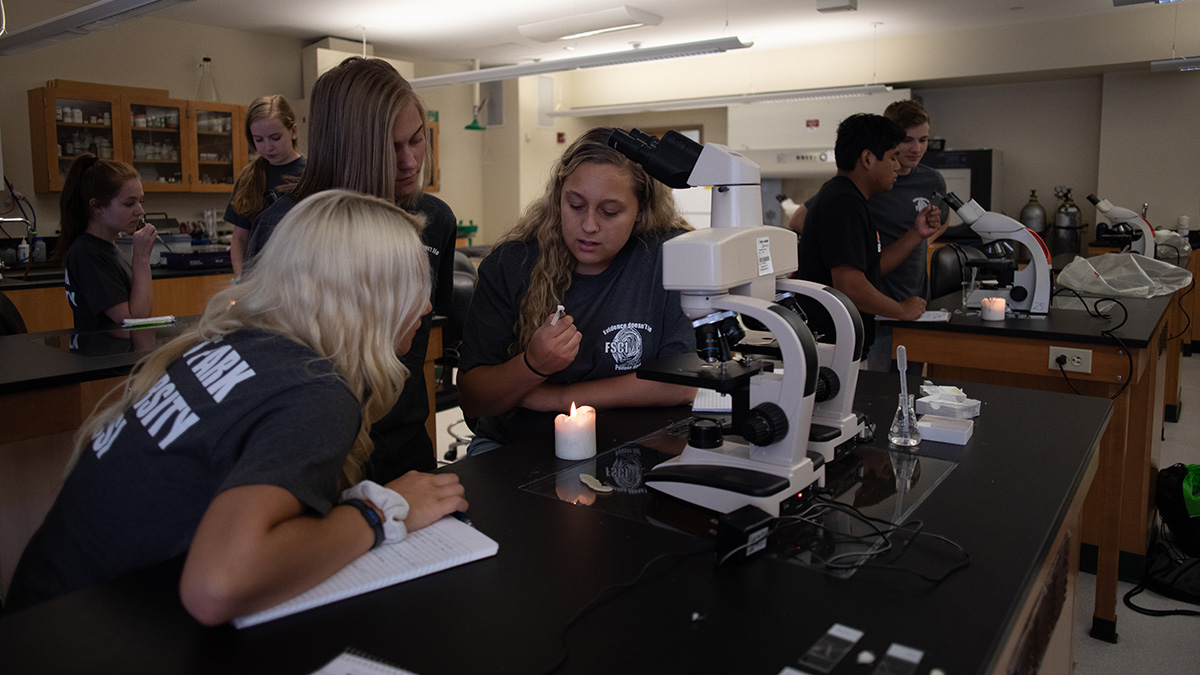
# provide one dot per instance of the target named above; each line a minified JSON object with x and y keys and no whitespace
{"x":49,"y":277}
{"x":1004,"y":500}
{"x":1075,"y":325}
{"x":52,"y":358}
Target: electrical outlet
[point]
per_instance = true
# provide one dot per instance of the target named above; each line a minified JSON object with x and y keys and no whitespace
{"x":1077,"y":360}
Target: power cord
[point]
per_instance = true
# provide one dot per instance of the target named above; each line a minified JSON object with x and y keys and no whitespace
{"x":1186,"y":326}
{"x":880,"y":538}
{"x":1094,"y":311}
{"x":613,"y":590}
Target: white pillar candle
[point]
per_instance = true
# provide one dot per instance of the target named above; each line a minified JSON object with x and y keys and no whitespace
{"x":992,"y":309}
{"x":575,"y":435}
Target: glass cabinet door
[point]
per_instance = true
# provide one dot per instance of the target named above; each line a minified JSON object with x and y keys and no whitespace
{"x":219,"y":146}
{"x":66,"y":122}
{"x":156,"y":129}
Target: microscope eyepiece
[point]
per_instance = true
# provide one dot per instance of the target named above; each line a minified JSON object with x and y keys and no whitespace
{"x":950,"y":198}
{"x":669,"y":159}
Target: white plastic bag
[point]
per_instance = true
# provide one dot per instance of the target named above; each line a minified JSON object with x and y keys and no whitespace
{"x":1172,"y":247}
{"x":1123,"y":274}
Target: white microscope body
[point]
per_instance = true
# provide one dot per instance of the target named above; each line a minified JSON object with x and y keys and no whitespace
{"x":1030,"y":291}
{"x":733,"y":267}
{"x":1119,"y":216}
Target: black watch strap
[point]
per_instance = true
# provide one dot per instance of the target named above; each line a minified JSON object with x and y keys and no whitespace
{"x":371,"y":517}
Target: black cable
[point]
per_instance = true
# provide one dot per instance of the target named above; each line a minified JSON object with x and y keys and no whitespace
{"x":1109,"y":332}
{"x":1063,"y":370}
{"x":916,"y":528}
{"x":619,"y":589}
{"x":1191,"y":288}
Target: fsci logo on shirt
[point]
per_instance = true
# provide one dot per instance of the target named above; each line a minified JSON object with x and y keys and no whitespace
{"x":921,"y":203}
{"x":626,"y":344}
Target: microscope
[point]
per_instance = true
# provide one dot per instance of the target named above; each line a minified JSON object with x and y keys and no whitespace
{"x":729,"y":270}
{"x":1026,"y":289}
{"x":1132,"y":231}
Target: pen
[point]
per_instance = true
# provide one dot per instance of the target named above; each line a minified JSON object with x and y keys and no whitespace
{"x":463,"y":517}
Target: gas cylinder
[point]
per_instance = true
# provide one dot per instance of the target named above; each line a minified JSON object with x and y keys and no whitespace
{"x":1065,"y":234}
{"x":1033,"y":215}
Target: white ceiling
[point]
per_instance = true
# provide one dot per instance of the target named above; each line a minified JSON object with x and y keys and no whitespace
{"x":460,"y":30}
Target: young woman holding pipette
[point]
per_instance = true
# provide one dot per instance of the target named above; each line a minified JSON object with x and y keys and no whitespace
{"x":102,"y":199}
{"x":231,"y":443}
{"x":593,"y":244}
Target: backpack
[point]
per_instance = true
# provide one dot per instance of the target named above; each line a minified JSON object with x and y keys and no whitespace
{"x":1173,"y":556}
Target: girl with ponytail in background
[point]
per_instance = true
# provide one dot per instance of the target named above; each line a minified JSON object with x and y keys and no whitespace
{"x":100,"y":200}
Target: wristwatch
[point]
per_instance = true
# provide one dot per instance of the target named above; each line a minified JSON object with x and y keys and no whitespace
{"x":371,"y":517}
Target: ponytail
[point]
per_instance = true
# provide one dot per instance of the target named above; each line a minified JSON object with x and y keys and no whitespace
{"x":252,"y":185}
{"x":88,"y":178}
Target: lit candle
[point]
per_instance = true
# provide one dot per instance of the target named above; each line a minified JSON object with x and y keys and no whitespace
{"x":575,"y":435}
{"x":992,"y":309}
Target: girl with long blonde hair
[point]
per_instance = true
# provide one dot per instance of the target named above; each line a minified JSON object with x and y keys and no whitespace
{"x":593,"y":244}
{"x":367,"y":133}
{"x":230,"y":443}
{"x":271,"y":130}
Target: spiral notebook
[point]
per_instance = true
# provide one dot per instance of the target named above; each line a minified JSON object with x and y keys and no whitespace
{"x":445,"y":544}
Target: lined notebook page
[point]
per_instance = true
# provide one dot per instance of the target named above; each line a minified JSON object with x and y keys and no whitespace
{"x":354,"y":663}
{"x":445,"y":544}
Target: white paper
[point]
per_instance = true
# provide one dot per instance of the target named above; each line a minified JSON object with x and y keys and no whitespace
{"x":445,"y":544}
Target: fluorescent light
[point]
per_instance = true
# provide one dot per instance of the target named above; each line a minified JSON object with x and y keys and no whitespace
{"x":1119,"y":3}
{"x":590,"y":23}
{"x":95,"y":17}
{"x":723,"y":101}
{"x":716,"y":46}
{"x":827,"y":6}
{"x":1167,"y":65}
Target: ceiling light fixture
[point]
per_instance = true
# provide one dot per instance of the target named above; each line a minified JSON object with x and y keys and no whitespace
{"x":93,"y":18}
{"x":716,"y":46}
{"x":723,"y":101}
{"x":1167,"y":65}
{"x":589,"y":24}
{"x":827,"y":6}
{"x":1119,"y":3}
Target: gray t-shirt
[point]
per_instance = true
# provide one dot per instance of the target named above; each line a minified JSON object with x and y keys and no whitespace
{"x":893,"y":213}
{"x":252,"y":409}
{"x":626,"y":318}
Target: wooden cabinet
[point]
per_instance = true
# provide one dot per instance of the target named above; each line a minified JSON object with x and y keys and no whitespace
{"x":158,"y":127}
{"x":175,"y":145}
{"x":218,"y":143}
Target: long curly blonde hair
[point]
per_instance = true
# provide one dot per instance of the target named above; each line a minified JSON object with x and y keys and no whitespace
{"x":346,"y":274}
{"x":541,"y":223}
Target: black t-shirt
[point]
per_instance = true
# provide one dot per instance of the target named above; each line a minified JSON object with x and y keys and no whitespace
{"x":276,"y":176}
{"x":252,"y":409}
{"x":97,"y":277}
{"x":401,"y":441}
{"x":838,"y":231}
{"x":624,"y":314}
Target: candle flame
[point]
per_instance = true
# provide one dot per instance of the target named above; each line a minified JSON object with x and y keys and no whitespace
{"x":572,"y":408}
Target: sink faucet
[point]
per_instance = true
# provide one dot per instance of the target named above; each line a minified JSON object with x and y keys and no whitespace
{"x":29,"y":234}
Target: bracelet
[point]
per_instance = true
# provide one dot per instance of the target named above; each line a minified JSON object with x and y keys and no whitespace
{"x":372,"y":518}
{"x":525,"y":355}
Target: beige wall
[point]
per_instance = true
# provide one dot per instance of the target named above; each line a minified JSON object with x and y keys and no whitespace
{"x":1049,"y":133}
{"x":1155,"y":159}
{"x":154,"y":53}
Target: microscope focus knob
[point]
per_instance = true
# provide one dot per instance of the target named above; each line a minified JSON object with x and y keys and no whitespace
{"x":765,"y":424}
{"x":828,"y":384}
{"x":1018,"y":293}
